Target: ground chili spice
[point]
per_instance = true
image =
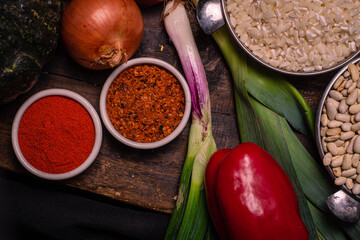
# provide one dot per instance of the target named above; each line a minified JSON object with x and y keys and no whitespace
{"x":56,"y":134}
{"x":145,"y":103}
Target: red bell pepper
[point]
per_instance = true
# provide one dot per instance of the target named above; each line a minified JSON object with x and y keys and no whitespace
{"x":250,"y":196}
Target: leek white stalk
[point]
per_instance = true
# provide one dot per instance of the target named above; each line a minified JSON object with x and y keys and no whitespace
{"x":190,"y":217}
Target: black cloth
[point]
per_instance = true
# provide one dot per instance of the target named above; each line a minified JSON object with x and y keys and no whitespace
{"x":33,"y":208}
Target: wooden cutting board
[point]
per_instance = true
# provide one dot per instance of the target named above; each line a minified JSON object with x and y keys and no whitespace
{"x":144,"y":178}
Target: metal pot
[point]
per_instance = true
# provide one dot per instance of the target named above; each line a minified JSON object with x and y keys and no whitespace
{"x":212,"y":15}
{"x":344,"y":204}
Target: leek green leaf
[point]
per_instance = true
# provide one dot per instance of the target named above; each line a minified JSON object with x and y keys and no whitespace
{"x":315,"y":181}
{"x":282,"y":97}
{"x":326,"y":224}
{"x":351,"y":229}
{"x":246,"y":118}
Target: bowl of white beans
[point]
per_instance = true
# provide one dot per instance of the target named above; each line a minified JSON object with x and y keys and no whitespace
{"x":338,"y":128}
{"x":300,"y":37}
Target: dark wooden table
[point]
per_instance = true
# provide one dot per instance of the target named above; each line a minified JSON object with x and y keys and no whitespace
{"x":145,"y":178}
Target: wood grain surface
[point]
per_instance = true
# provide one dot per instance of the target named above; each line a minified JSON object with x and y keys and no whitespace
{"x":145,"y":178}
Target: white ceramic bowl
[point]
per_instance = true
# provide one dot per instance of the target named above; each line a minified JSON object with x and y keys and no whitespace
{"x":109,"y":125}
{"x":97,"y":125}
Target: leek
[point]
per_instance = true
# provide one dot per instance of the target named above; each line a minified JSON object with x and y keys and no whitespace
{"x":190,"y":217}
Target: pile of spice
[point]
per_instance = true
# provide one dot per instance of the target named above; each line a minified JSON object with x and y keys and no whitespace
{"x":56,"y":134}
{"x":145,"y":103}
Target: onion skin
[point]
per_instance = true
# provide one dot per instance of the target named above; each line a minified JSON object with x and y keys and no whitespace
{"x":102,"y":34}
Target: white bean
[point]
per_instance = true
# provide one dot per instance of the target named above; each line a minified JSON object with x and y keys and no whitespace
{"x":353,"y":109}
{"x":347,"y":163}
{"x":348,"y":84}
{"x":352,"y":87}
{"x":349,"y":183}
{"x":353,"y":71}
{"x":342,"y":117}
{"x":356,"y":188}
{"x":352,"y":119}
{"x":332,"y":138}
{"x":340,"y":181}
{"x":350,"y":148}
{"x":342,"y":86}
{"x":331,"y":110}
{"x":324,"y":145}
{"x":336,"y":103}
{"x":344,"y":92}
{"x":355,"y":127}
{"x":338,"y":82}
{"x":357,"y":145}
{"x":323,"y":131}
{"x":339,"y":143}
{"x":348,"y":173}
{"x":337,"y":161}
{"x":346,"y":127}
{"x":334,"y":124}
{"x":346,"y":135}
{"x":324,"y":119}
{"x":333,"y":131}
{"x":335,"y":95}
{"x":343,"y":107}
{"x":327,"y":159}
{"x":337,"y":171}
{"x":352,"y":98}
{"x":355,"y":160}
{"x":333,"y":149}
{"x":342,"y":150}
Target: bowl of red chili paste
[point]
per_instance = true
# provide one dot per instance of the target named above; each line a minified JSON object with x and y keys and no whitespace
{"x":56,"y":134}
{"x":145,"y":103}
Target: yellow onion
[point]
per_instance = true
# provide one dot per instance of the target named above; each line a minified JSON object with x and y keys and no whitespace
{"x":101,"y":34}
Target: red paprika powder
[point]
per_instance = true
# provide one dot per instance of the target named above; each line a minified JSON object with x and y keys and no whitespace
{"x":56,"y":134}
